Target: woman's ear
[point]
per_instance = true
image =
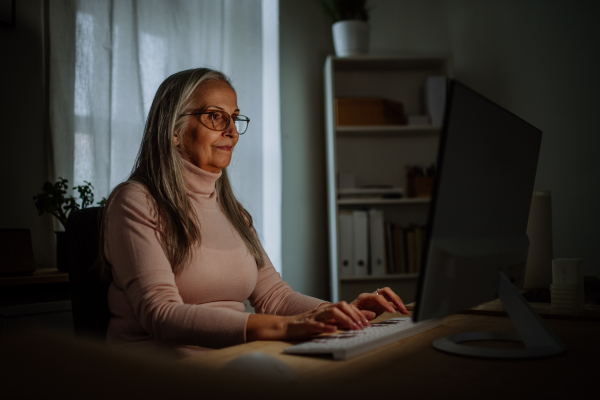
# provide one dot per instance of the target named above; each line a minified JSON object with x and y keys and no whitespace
{"x":176,"y":138}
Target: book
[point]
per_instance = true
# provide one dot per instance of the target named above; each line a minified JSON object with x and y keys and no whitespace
{"x":377,"y":242}
{"x":411,"y":249}
{"x":435,"y":99}
{"x":419,"y":247}
{"x":399,"y":249}
{"x":389,"y":247}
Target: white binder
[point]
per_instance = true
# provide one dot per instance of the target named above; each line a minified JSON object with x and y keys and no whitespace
{"x":346,"y":235}
{"x":377,"y":241}
{"x":435,"y":98}
{"x":361,"y":243}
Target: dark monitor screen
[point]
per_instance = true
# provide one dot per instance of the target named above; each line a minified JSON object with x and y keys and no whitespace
{"x":480,"y":205}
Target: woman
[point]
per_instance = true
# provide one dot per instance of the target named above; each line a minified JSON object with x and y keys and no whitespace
{"x":182,"y":251}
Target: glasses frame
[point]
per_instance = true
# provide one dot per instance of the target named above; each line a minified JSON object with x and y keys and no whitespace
{"x":228,"y":121}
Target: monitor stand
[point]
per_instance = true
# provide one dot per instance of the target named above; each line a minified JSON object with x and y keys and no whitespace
{"x":539,"y":340}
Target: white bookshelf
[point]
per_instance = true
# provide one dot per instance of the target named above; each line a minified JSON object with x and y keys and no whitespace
{"x":392,"y":130}
{"x":378,"y":201}
{"x":377,"y":155}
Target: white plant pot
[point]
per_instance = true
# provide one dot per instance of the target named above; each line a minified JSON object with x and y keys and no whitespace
{"x":350,"y":38}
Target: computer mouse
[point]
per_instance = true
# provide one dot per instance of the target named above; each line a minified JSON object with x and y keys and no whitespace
{"x":261,"y":365}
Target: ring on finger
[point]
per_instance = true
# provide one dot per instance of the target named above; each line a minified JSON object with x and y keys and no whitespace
{"x":377,"y":292}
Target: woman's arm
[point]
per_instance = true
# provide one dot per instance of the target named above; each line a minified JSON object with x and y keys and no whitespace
{"x":272,"y":295}
{"x":142,"y":271}
{"x":325,"y":319}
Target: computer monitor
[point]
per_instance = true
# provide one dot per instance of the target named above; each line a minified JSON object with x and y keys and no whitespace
{"x":476,"y":243}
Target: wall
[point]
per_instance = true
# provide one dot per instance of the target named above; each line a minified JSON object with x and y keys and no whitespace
{"x":539,"y":59}
{"x":304,"y":44}
{"x":22,"y":155}
{"x":536,"y":58}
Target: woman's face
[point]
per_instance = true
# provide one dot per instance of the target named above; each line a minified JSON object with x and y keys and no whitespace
{"x":206,"y":148}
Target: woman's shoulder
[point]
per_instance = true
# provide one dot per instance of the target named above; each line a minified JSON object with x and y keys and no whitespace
{"x":132,"y":195}
{"x":130,"y":190}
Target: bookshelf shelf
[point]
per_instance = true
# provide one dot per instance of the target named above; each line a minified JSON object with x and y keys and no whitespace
{"x":377,"y":157}
{"x":382,"y":64}
{"x":379,"y":278}
{"x":389,"y":130}
{"x":379,"y":201}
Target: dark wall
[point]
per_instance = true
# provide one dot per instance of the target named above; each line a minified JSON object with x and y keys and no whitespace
{"x":23,"y":166}
{"x":537,"y":58}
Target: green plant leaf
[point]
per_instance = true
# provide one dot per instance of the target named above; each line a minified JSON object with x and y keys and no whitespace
{"x":54,"y":199}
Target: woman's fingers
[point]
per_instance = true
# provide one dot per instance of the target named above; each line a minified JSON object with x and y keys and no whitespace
{"x":355,"y":313}
{"x":383,"y":302}
{"x":343,"y":319}
{"x":347,"y":315}
{"x":299,"y":330}
{"x":369,"y":315}
{"x":394,"y":298}
{"x":315,"y":327}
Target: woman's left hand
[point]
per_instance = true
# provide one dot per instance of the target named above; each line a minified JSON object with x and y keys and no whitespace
{"x":374,"y":304}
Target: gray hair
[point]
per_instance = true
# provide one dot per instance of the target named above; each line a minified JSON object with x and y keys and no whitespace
{"x":159,"y":167}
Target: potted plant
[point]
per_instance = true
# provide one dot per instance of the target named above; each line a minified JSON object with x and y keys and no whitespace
{"x":350,"y":28}
{"x":54,"y":200}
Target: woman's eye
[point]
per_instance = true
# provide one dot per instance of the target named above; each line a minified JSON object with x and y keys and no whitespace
{"x":217,"y":116}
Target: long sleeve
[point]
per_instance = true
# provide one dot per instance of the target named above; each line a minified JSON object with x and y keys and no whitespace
{"x":143,"y":273}
{"x":272,"y":295}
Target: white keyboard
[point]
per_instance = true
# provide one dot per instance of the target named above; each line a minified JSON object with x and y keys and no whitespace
{"x":352,"y":343}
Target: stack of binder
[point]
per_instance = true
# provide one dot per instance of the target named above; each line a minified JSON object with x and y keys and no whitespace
{"x":354,"y":243}
{"x":370,"y":246}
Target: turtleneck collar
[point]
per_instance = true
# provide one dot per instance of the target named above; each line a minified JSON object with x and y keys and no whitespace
{"x":200,"y":182}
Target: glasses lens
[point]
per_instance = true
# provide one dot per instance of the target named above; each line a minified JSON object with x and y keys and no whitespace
{"x":241,"y":124}
{"x":220,"y":120}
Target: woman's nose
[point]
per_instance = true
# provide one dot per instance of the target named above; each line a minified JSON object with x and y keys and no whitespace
{"x":231,"y":131}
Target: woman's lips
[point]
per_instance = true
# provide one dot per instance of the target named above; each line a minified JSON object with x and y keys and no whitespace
{"x":226,"y":148}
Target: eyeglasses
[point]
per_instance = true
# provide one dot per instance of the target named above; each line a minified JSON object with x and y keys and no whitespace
{"x":219,"y":120}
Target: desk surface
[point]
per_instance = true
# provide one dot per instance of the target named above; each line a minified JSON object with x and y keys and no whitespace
{"x":408,"y":369}
{"x":413,"y":366}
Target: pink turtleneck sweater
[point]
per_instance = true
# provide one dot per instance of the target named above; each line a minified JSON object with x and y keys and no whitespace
{"x":203,"y":306}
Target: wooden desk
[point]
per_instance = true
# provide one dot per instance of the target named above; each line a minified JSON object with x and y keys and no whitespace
{"x":412,"y":367}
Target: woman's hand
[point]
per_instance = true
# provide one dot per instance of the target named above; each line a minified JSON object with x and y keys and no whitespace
{"x":324,"y":319}
{"x":374,"y":304}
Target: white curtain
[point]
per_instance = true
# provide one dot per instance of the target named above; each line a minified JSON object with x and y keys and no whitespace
{"x":107,"y":58}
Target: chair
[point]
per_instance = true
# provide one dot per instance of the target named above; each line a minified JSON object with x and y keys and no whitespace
{"x":89,"y":293}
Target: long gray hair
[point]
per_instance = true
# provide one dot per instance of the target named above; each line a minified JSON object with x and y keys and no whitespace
{"x":159,"y":167}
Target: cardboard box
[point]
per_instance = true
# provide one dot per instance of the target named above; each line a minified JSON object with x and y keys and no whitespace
{"x":368,"y":111}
